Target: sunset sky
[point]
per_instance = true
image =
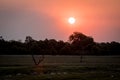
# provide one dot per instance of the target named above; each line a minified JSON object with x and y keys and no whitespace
{"x":49,"y":19}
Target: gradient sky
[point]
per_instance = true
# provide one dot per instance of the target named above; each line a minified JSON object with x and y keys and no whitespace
{"x":48,"y":19}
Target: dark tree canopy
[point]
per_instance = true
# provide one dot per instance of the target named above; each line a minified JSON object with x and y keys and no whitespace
{"x":78,"y":44}
{"x":80,"y":41}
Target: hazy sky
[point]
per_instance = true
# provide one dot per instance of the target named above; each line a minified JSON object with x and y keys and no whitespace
{"x":48,"y":19}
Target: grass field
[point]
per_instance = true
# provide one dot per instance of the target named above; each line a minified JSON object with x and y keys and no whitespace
{"x":60,"y":68}
{"x":60,"y":73}
{"x":26,"y":60}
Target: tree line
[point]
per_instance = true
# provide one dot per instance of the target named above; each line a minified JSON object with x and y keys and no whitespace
{"x":78,"y":44}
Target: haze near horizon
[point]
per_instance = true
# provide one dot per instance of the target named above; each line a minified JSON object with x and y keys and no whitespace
{"x":43,"y":19}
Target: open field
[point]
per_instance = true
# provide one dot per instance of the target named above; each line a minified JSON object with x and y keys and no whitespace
{"x":60,"y":73}
{"x":26,"y":60}
{"x":60,"y":68}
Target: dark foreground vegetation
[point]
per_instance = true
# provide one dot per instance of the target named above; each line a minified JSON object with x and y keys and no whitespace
{"x":78,"y":44}
{"x":110,"y":72}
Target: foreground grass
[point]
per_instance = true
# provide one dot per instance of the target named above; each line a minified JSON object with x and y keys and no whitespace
{"x":61,"y":73}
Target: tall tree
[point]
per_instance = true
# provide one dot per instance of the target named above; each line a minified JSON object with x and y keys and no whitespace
{"x":34,"y":48}
{"x":80,"y":42}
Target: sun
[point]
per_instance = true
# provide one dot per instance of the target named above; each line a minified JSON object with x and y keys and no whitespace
{"x":71,"y":20}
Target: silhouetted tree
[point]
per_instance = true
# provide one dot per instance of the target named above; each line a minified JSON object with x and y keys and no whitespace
{"x":79,"y":42}
{"x":34,"y":49}
{"x":1,"y":38}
